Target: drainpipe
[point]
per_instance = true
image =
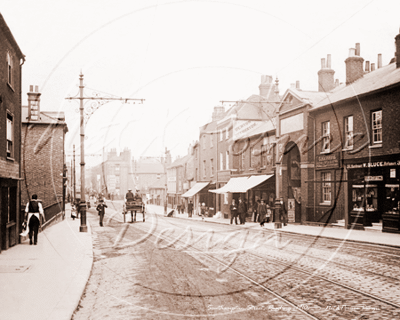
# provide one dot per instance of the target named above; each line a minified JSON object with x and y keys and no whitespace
{"x":315,"y":171}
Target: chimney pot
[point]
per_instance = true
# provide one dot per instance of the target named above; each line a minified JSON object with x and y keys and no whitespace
{"x":352,"y":52}
{"x":31,"y":88}
{"x":366,"y":66}
{"x":297,"y":84}
{"x":372,"y":66}
{"x":336,"y":83}
{"x":379,"y":60}
{"x":328,"y":61}
{"x":292,"y":85}
{"x":357,"y":49}
{"x":323,"y":63}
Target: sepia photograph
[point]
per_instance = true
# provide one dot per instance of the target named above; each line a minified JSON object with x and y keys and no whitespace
{"x":199,"y":159}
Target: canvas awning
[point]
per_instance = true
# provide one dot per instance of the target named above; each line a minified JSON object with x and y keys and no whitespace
{"x":195,"y":189}
{"x":242,"y":184}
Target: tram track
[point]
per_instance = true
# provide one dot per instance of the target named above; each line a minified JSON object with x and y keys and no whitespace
{"x":290,"y":266}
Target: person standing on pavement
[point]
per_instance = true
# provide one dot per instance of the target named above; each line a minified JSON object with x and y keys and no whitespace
{"x":203,"y":209}
{"x":234,"y":211}
{"x":263,"y":209}
{"x":242,"y":211}
{"x":33,"y":212}
{"x":101,"y":209}
{"x":190,"y":208}
{"x":256,"y":217}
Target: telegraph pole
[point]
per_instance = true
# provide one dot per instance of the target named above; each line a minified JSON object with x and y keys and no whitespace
{"x":84,"y":117}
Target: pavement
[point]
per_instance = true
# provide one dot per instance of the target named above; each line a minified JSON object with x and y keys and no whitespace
{"x":47,"y":280}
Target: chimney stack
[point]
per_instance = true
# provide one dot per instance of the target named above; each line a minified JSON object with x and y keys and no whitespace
{"x":354,"y":65}
{"x":372,"y":66}
{"x":397,"y":54}
{"x":218,"y":113}
{"x":266,"y":87}
{"x":34,"y":103}
{"x":326,"y":76}
{"x":298,"y":84}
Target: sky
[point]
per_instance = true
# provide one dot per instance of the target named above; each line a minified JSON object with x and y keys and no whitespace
{"x":182,"y":57}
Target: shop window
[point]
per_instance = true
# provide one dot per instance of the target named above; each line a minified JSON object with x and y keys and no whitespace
{"x":348,"y":132}
{"x":377,"y":126}
{"x":10,"y":136}
{"x":325,"y":136}
{"x":326,"y":187}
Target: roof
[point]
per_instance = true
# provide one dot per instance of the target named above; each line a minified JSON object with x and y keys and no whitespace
{"x":305,"y":97}
{"x":7,"y":33}
{"x":180,"y":162}
{"x":254,"y":108}
{"x":46,"y":117}
{"x":148,"y":166}
{"x":381,"y":78}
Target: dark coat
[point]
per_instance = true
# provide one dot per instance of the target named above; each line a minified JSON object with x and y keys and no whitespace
{"x":101,"y":208}
{"x":242,"y":208}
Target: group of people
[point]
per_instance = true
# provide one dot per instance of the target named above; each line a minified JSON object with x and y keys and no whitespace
{"x":262,"y":212}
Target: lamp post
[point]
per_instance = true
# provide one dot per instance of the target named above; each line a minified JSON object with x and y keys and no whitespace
{"x":84,"y":117}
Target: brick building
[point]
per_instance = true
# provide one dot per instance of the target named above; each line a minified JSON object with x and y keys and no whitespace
{"x":12,"y":60}
{"x":43,"y":155}
{"x":117,"y":173}
{"x":357,"y":165}
{"x":246,"y":143}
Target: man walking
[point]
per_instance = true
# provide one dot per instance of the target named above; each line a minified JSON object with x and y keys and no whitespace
{"x":101,"y":209}
{"x":33,"y":212}
{"x":190,"y":209}
{"x":234,"y":211}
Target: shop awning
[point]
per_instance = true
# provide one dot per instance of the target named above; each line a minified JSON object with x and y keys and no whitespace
{"x":195,"y":189}
{"x":254,"y":181}
{"x":242,"y":184}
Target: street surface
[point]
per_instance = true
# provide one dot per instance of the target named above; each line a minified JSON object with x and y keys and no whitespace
{"x":168,"y":268}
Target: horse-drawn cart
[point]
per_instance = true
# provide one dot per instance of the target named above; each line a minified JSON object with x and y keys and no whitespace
{"x":134,"y":206}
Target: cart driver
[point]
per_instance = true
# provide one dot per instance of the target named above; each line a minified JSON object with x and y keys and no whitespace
{"x":137,"y":195}
{"x":129,"y":196}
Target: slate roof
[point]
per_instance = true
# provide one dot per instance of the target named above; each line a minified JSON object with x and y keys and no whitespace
{"x":378,"y":79}
{"x":253,"y":108}
{"x":46,"y":117}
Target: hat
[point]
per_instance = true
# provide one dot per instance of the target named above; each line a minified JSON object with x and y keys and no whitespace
{"x":129,"y":189}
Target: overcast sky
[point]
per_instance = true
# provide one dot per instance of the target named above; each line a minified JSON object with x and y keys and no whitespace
{"x":183,"y":58}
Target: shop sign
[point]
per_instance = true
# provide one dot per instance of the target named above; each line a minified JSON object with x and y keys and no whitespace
{"x":374,"y":164}
{"x":393,"y":173}
{"x":373,"y":178}
{"x":325,"y":161}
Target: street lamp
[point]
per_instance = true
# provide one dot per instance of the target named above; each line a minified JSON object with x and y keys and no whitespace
{"x":84,"y":117}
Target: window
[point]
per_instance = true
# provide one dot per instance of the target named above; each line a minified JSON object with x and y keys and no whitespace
{"x":377,"y":126}
{"x":117,"y":169}
{"x":204,"y":169}
{"x":204,"y":142}
{"x":227,"y":160}
{"x":221,"y":135}
{"x":325,"y":136}
{"x":10,"y":136}
{"x":242,"y":160}
{"x":212,"y":166}
{"x":9,"y":68}
{"x":348,"y":132}
{"x":197,"y":174}
{"x":221,"y":161}
{"x":227,"y":133}
{"x":211,"y":140}
{"x":326,"y":187}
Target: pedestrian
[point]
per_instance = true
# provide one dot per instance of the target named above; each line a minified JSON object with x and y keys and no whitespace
{"x":101,"y":209}
{"x":242,"y":211}
{"x":190,"y":208}
{"x":262,"y":210}
{"x":203,"y":209}
{"x":178,"y":208}
{"x":182,"y":208}
{"x":255,"y":211}
{"x":234,"y":211}
{"x":33,"y":212}
{"x":283,"y":213}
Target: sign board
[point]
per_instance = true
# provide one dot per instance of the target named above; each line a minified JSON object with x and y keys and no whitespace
{"x":325,"y":161}
{"x":292,"y":124}
{"x":373,"y":178}
{"x":291,"y":211}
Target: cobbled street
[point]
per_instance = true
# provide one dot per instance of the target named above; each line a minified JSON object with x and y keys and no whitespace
{"x":168,"y":268}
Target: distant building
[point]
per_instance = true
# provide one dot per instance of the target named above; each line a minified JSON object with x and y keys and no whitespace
{"x":11,"y":61}
{"x":43,"y":155}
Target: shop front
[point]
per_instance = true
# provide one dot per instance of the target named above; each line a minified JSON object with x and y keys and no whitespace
{"x":250,"y":189}
{"x":374,"y":196}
